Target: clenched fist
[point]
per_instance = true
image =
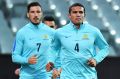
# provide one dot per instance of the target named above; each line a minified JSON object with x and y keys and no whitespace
{"x":32,"y":59}
{"x":49,"y":66}
{"x":92,"y":62}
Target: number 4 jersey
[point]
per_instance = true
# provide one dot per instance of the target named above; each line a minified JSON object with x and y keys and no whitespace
{"x":77,"y":46}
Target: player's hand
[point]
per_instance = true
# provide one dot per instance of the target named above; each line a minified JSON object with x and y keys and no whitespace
{"x":92,"y":62}
{"x":49,"y":66}
{"x":59,"y":71}
{"x":17,"y":71}
{"x":32,"y":59}
{"x":54,"y":74}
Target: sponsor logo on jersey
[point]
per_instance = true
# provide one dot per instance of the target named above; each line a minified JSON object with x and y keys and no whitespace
{"x":85,"y":37}
{"x":45,"y":36}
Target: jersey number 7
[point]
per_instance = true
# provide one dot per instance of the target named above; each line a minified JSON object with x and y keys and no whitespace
{"x":38,"y":44}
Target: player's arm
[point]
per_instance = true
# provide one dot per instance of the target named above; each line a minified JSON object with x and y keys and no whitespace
{"x":101,"y":43}
{"x":17,"y":50}
{"x":52,"y":52}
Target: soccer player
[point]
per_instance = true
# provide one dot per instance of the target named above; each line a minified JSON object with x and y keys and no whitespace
{"x":31,"y":44}
{"x":55,"y":74}
{"x":77,"y":42}
{"x":50,"y":21}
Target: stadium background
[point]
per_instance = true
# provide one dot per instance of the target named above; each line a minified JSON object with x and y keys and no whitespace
{"x":104,"y":14}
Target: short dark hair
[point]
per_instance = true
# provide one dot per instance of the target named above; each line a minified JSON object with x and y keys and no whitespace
{"x":32,"y":4}
{"x":48,"y":18}
{"x":76,"y":4}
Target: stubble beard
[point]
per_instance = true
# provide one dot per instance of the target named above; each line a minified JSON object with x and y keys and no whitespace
{"x":36,"y":23}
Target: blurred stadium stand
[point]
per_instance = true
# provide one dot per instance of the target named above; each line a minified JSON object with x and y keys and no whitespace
{"x":17,"y":23}
{"x":104,"y":14}
{"x":6,"y":38}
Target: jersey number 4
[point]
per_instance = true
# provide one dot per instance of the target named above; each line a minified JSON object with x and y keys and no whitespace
{"x":77,"y":47}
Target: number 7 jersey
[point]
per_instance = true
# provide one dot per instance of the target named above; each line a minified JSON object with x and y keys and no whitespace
{"x":32,"y":40}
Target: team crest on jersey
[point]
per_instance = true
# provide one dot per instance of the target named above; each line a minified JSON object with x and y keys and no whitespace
{"x":45,"y":36}
{"x":85,"y":36}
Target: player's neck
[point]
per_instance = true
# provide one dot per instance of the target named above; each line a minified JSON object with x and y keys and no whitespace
{"x":78,"y":25}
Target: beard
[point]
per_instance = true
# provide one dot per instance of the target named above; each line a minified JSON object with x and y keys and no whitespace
{"x":78,"y":24}
{"x":36,"y":19}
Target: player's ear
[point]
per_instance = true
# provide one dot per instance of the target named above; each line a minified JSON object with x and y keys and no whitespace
{"x":27,"y":15}
{"x":69,"y":16}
